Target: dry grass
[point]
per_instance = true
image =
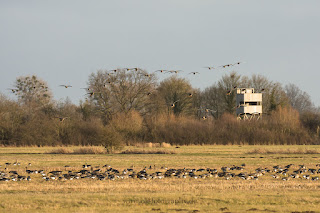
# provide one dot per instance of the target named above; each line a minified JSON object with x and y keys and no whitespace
{"x":167,"y":195}
{"x":284,"y":151}
{"x":81,"y":150}
{"x":61,"y":150}
{"x":153,"y":145}
{"x":150,"y":151}
{"x":90,"y":150}
{"x":155,"y":149}
{"x":165,"y":145}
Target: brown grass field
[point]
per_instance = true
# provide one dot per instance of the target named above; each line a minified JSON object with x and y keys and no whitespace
{"x":172,"y":194}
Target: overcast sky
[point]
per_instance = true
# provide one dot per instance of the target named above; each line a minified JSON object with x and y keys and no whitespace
{"x":62,"y":42}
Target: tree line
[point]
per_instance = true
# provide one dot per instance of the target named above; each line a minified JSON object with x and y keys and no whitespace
{"x":123,"y":107}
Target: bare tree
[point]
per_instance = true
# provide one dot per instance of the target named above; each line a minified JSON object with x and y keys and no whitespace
{"x":276,"y":97}
{"x":297,"y":98}
{"x":260,"y":84}
{"x":221,"y":97}
{"x":227,"y":86}
{"x":273,"y":94}
{"x":11,"y":117}
{"x":211,"y":100}
{"x":120,"y":90}
{"x":32,"y":90}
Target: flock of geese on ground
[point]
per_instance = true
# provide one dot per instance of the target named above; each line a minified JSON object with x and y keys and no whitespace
{"x":106,"y":172}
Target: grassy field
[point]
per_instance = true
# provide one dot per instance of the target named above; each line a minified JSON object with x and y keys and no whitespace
{"x":162,"y":195}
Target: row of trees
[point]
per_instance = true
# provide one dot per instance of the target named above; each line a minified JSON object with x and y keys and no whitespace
{"x":125,"y":106}
{"x":123,"y":91}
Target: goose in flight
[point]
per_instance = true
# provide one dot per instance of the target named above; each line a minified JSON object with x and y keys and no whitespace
{"x":62,"y":118}
{"x":190,"y":94}
{"x":162,"y":71}
{"x":209,"y":110}
{"x":238,"y":63}
{"x":65,"y":85}
{"x":175,"y":71}
{"x":210,"y":68}
{"x":14,"y":90}
{"x":194,"y":73}
{"x":92,"y":93}
{"x":87,"y":88}
{"x":174,"y":104}
{"x":227,"y":65}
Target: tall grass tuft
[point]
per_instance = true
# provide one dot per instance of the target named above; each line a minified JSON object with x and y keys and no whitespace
{"x":62,"y":150}
{"x":81,"y":150}
{"x":90,"y":150}
{"x":165,"y":145}
{"x":284,"y":151}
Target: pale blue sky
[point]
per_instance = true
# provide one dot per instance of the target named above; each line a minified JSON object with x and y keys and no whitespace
{"x":62,"y":42}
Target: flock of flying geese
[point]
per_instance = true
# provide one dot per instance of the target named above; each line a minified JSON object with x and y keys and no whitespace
{"x":111,"y":72}
{"x":106,"y":172}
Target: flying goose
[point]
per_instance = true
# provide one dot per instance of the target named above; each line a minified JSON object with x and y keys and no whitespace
{"x":194,"y":73}
{"x":65,"y":85}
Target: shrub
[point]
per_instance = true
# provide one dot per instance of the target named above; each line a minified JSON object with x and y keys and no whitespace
{"x":88,"y":133}
{"x":36,"y":129}
{"x":111,"y":139}
{"x":311,"y":121}
{"x":179,"y":130}
{"x":129,"y":125}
